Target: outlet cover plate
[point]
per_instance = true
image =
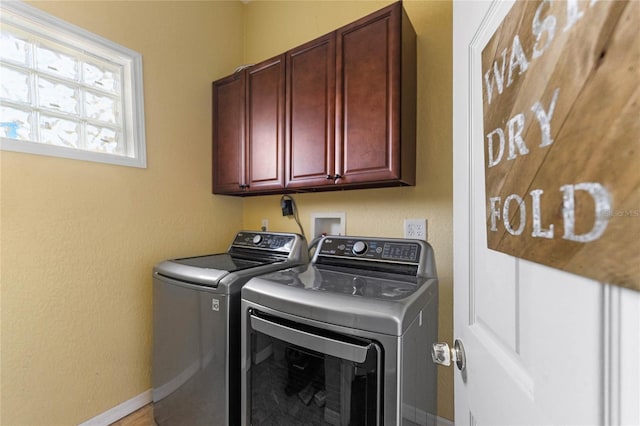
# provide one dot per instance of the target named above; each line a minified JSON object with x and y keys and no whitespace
{"x":415,"y":229}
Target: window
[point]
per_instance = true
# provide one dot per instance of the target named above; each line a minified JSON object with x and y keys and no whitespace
{"x":66,"y":92}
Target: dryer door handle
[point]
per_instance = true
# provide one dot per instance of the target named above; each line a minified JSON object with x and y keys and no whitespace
{"x":337,"y":348}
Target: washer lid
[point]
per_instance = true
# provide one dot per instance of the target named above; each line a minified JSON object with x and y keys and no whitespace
{"x":224,"y":262}
{"x":251,"y":253}
{"x":210,"y":269}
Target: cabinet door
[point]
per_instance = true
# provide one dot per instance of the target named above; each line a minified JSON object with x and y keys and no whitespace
{"x":265,"y":124}
{"x":310,"y":132}
{"x":228,"y":134}
{"x":368,"y":94}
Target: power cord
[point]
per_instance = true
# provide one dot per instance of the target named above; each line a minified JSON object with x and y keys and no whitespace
{"x":289,"y":208}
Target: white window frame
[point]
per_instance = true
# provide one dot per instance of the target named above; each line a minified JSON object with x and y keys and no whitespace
{"x":46,"y":26}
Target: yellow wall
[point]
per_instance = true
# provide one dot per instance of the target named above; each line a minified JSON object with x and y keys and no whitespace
{"x":272,"y":27}
{"x":79,"y":239}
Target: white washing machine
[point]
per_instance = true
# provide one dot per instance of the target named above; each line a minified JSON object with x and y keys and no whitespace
{"x":344,"y":340}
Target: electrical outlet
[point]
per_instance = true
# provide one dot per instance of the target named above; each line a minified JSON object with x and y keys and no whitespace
{"x":415,"y":229}
{"x":265,"y":224}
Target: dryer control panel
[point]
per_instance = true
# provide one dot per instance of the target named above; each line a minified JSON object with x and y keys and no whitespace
{"x":380,"y":249}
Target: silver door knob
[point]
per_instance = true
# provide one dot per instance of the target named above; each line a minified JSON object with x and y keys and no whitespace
{"x":442,"y":354}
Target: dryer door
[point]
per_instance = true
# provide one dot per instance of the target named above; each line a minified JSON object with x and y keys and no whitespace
{"x":310,"y":375}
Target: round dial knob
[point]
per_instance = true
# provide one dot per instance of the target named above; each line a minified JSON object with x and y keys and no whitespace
{"x":257,"y":239}
{"x":359,"y":248}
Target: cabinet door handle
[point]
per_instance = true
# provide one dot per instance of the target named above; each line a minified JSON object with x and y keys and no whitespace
{"x":329,"y":177}
{"x":336,"y":177}
{"x":244,"y":186}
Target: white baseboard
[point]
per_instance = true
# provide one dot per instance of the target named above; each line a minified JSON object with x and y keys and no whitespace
{"x":421,"y":417}
{"x":120,"y":411}
{"x":444,"y":422}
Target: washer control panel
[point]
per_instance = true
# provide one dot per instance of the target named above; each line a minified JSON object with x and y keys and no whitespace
{"x":387,"y":250}
{"x":264,"y":241}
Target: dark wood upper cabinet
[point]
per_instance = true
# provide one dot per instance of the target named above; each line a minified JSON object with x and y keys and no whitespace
{"x":376,"y":98}
{"x":310,"y":118}
{"x":265,"y":126}
{"x":338,"y":112}
{"x":228,"y":134}
{"x":248,"y":138}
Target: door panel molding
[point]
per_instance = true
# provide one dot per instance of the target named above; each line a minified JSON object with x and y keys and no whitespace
{"x":621,"y":372}
{"x":502,"y":270}
{"x":611,"y":355}
{"x":504,"y":354}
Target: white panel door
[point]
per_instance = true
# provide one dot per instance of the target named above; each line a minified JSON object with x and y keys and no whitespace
{"x":543,"y":347}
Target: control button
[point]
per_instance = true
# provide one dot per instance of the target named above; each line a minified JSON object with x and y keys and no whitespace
{"x":359,"y":248}
{"x":257,"y":239}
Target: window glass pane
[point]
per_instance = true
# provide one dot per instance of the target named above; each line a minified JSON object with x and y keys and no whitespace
{"x":102,"y":140}
{"x":57,"y":63}
{"x":13,"y":48}
{"x":15,"y":124}
{"x":57,"y":96}
{"x":101,"y":108}
{"x":101,"y":78}
{"x":63,"y":86}
{"x":58,"y":131}
{"x":14,"y":85}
